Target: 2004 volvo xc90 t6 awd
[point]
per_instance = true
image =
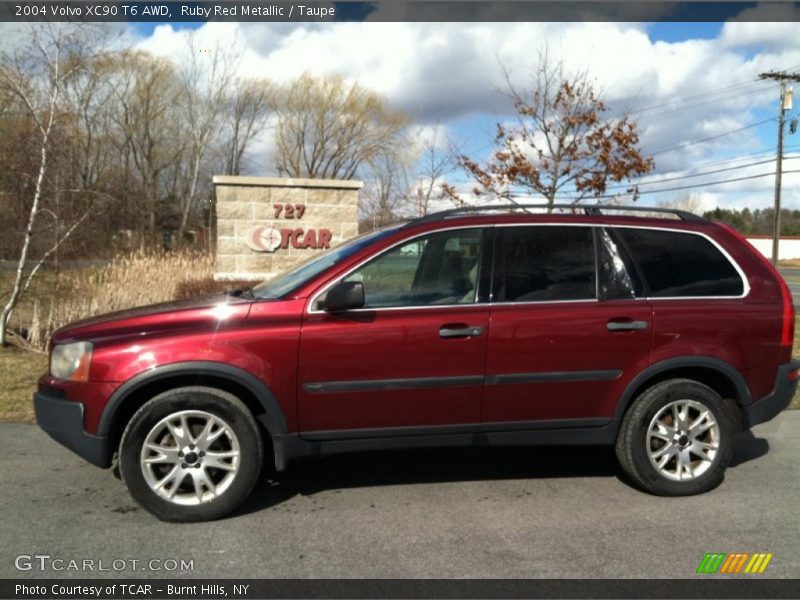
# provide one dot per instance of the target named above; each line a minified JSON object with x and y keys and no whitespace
{"x":661,"y":336}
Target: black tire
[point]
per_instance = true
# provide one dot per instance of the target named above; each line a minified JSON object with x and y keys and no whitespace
{"x":217,"y":403}
{"x":632,"y":443}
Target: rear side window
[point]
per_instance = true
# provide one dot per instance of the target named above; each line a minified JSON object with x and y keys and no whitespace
{"x":618,"y":277}
{"x":541,"y":264}
{"x":676,"y":264}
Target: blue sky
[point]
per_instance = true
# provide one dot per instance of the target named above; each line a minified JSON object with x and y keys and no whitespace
{"x":679,"y":32}
{"x":682,"y":82}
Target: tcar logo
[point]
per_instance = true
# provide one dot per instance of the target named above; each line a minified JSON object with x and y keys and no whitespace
{"x":266,"y":238}
{"x":263,"y":239}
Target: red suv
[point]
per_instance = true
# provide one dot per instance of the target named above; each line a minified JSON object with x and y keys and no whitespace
{"x":662,"y":336}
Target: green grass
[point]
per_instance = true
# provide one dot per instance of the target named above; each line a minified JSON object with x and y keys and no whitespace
{"x":19,"y":371}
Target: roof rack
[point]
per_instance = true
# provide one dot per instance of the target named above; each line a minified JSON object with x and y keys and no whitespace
{"x":591,"y":210}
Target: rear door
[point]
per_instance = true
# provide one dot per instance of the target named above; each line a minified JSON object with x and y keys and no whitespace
{"x":412,"y":360}
{"x":702,"y":305}
{"x":569,"y":327}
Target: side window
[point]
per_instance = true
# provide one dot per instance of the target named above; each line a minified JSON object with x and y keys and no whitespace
{"x":441,"y":268}
{"x":618,"y":277}
{"x":544,"y":263}
{"x":676,"y":264}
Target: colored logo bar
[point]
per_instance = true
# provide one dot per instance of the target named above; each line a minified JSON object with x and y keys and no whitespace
{"x":734,"y":563}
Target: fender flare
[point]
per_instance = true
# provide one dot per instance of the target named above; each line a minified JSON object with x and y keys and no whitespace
{"x":707,"y":362}
{"x":273,"y":419}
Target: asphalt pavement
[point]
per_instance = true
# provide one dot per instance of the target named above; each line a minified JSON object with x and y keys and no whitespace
{"x":452,"y":513}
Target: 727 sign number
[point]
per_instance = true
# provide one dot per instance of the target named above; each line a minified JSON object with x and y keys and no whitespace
{"x":290,"y":211}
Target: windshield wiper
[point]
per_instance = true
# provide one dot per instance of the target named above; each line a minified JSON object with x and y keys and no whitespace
{"x":244,"y":292}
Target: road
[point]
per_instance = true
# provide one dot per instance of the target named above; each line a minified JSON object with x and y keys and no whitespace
{"x":535,"y":512}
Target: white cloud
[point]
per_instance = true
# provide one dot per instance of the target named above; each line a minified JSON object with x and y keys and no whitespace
{"x":450,"y":73}
{"x":770,"y":24}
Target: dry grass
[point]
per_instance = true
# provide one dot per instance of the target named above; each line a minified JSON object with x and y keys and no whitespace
{"x":129,"y":280}
{"x":19,"y":371}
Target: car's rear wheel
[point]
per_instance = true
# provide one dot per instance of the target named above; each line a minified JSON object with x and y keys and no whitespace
{"x":191,"y":454}
{"x":677,"y":439}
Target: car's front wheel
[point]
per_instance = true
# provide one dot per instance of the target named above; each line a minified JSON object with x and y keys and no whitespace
{"x":191,"y":454}
{"x":677,"y":439}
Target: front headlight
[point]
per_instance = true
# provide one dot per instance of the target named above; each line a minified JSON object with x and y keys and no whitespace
{"x":71,"y":361}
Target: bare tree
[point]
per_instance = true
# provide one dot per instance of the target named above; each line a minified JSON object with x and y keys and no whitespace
{"x":438,"y":159}
{"x":328,"y":128}
{"x":248,"y":107}
{"x":89,"y":96}
{"x":560,"y":141}
{"x":205,"y":82}
{"x":147,"y":125}
{"x":36,"y":75}
{"x":386,"y":193}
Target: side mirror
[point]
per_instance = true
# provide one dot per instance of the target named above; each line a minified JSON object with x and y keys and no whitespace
{"x":345,"y":295}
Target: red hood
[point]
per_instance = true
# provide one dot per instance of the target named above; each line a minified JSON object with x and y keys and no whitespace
{"x":211,"y":310}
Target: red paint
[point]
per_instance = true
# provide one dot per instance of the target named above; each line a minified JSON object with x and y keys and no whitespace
{"x":283,"y":345}
{"x":392,"y":344}
{"x":563,"y":337}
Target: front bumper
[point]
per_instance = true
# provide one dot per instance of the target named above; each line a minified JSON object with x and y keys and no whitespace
{"x":768,"y":407}
{"x":62,"y":420}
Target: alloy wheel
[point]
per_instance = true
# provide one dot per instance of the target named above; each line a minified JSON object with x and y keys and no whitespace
{"x":683,"y":440}
{"x":190,"y":457}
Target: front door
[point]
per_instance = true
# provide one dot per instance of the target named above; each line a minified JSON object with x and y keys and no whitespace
{"x":410,"y":361}
{"x":568,"y":330}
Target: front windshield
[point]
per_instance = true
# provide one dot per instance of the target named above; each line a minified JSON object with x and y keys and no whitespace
{"x":287,"y":282}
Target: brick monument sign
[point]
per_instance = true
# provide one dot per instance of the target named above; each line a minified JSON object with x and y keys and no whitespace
{"x":265,"y":225}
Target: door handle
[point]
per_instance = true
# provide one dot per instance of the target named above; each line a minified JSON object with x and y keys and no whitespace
{"x":459,"y":332}
{"x":626,"y":325}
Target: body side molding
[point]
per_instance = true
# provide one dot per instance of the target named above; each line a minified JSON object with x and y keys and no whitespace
{"x":556,"y":376}
{"x":410,"y":383}
{"x":363,"y":385}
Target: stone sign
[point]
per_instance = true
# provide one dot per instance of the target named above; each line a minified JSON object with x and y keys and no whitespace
{"x":265,"y":225}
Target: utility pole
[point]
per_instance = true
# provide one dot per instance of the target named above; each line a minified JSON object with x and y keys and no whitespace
{"x":782,"y":78}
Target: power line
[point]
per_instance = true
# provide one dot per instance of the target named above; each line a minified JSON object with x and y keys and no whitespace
{"x":687,"y":187}
{"x":692,"y":175}
{"x":699,"y":95}
{"x":653,"y":115}
{"x":742,"y":156}
{"x":713,"y":137}
{"x":697,"y":185}
{"x":675,"y":109}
